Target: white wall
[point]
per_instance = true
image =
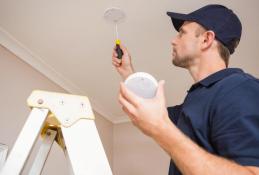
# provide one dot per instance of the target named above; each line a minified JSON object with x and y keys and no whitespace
{"x":17,"y":81}
{"x":136,"y":154}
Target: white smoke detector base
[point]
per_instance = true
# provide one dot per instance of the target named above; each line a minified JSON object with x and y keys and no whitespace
{"x":142,"y":84}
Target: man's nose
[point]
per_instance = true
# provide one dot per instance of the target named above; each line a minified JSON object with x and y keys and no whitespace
{"x":173,"y":41}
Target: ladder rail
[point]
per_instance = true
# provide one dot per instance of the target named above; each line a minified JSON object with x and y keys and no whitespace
{"x":43,"y":152}
{"x":3,"y":154}
{"x":84,"y":149}
{"x":23,"y":145}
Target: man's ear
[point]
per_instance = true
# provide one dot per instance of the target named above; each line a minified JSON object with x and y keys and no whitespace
{"x":208,"y":38}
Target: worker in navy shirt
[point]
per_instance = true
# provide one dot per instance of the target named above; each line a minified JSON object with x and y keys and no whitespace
{"x":215,"y":130}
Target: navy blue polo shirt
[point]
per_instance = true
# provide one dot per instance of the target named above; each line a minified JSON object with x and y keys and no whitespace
{"x":221,"y":114}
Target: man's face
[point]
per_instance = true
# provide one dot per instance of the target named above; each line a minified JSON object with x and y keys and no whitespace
{"x":186,"y":45}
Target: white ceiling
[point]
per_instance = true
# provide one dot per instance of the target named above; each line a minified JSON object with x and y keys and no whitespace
{"x":70,"y":42}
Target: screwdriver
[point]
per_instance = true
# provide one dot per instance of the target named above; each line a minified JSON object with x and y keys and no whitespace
{"x":117,"y":42}
{"x":116,"y":16}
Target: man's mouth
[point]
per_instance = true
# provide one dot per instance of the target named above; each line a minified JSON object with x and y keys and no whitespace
{"x":174,"y":52}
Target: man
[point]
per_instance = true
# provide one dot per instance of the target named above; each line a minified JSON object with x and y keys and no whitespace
{"x":216,"y":129}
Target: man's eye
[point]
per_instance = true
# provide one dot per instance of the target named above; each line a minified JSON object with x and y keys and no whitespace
{"x":180,"y":33}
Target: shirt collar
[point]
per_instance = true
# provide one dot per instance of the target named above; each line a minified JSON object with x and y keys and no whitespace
{"x":215,"y":77}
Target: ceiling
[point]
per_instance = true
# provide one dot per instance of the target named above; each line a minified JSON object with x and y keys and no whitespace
{"x":70,"y":42}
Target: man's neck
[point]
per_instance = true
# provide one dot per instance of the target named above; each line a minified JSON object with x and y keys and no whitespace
{"x":206,"y":67}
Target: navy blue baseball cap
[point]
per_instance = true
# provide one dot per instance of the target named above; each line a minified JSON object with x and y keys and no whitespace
{"x":218,"y":18}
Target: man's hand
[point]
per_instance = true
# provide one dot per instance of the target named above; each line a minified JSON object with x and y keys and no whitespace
{"x":149,"y":115}
{"x":124,"y":65}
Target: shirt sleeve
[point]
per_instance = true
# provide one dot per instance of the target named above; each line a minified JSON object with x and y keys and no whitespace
{"x":174,"y":112}
{"x":235,"y":124}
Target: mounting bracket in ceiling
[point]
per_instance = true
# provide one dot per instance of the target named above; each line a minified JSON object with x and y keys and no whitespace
{"x":114,"y":15}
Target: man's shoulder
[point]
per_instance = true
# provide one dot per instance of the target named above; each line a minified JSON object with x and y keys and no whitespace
{"x":238,"y":88}
{"x":237,"y":82}
{"x":238,"y":78}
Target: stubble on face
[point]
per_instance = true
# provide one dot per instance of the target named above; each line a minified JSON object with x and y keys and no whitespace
{"x":183,"y":62}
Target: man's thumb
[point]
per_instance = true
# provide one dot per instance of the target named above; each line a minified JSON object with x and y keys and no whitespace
{"x":160,"y":89}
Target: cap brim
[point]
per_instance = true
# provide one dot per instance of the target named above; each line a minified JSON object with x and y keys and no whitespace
{"x":177,"y":19}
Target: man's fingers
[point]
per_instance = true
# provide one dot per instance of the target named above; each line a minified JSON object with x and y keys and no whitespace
{"x":116,"y":64}
{"x":114,"y":54}
{"x":128,"y":108}
{"x":131,"y":116}
{"x":115,"y":59}
{"x":129,"y":96}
